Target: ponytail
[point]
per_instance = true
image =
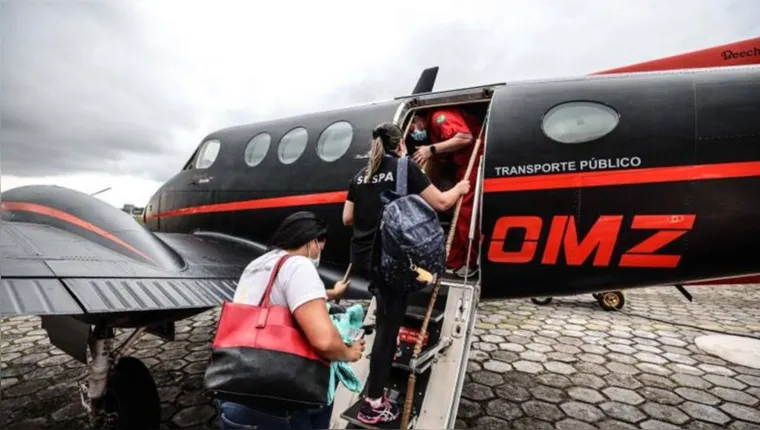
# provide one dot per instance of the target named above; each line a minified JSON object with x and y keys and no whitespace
{"x":376,"y":154}
{"x":386,"y":138}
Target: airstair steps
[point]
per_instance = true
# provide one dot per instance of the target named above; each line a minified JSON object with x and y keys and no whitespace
{"x":433,"y":350}
{"x":396,"y":387}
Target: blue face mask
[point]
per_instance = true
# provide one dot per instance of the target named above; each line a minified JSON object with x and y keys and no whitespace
{"x":419,"y":135}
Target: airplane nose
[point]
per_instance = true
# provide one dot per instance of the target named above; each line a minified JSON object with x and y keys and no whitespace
{"x":151,"y":210}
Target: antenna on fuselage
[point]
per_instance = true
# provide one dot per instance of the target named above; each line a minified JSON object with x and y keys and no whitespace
{"x":101,"y":191}
{"x":426,"y":81}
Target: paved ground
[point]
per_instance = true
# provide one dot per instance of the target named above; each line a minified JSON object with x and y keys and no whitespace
{"x":567,"y":365}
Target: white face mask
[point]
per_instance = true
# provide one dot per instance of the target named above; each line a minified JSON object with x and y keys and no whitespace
{"x":315,"y":261}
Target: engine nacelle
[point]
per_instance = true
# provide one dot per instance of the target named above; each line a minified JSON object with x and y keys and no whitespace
{"x":90,"y":218}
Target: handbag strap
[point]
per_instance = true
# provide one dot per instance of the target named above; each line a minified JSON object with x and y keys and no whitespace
{"x":268,"y":292}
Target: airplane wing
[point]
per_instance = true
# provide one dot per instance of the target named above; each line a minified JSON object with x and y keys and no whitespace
{"x":47,"y":270}
{"x":66,"y":253}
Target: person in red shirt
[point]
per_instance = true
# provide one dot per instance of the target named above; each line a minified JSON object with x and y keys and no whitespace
{"x":452,"y":133}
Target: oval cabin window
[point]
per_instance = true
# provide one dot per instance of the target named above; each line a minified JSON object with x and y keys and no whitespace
{"x":292,"y":145}
{"x":578,"y":122}
{"x":207,"y":155}
{"x":334,"y":141}
{"x":257,"y":149}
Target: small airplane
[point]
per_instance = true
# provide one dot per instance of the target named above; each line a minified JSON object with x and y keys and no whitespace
{"x":640,"y":176}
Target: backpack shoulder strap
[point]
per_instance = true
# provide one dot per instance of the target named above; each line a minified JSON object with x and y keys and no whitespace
{"x":402,"y":169}
{"x":268,"y":291}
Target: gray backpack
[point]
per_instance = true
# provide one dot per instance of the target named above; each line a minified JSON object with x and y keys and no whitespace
{"x":410,"y":234}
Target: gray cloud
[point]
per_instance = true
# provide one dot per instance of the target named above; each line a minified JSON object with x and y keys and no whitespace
{"x":85,"y":88}
{"x":82,"y":91}
{"x":562,"y":38}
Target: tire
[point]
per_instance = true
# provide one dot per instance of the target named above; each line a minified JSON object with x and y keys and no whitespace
{"x":133,"y":395}
{"x":612,"y":300}
{"x":541,"y":301}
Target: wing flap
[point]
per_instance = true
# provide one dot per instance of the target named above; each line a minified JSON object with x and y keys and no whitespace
{"x":110,"y":295}
{"x":36,"y":297}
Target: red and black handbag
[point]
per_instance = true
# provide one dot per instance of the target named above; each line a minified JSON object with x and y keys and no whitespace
{"x":259,"y":353}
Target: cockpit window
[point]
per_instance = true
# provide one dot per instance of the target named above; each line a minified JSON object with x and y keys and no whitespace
{"x":292,"y":145}
{"x":257,"y":149}
{"x":207,"y":154}
{"x":579,"y":121}
{"x":335,"y":140}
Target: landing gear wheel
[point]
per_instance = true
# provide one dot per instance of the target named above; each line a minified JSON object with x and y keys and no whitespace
{"x":611,"y":300}
{"x":541,"y":301}
{"x":132,"y":396}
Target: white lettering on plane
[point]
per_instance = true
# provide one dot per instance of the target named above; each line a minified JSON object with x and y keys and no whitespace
{"x":570,"y":166}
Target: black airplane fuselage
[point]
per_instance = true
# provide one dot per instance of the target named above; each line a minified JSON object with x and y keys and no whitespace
{"x":647,"y":179}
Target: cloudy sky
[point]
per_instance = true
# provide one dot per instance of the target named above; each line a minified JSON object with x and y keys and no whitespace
{"x":119,"y":93}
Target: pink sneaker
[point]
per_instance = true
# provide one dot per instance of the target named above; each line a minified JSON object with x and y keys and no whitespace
{"x":386,"y":412}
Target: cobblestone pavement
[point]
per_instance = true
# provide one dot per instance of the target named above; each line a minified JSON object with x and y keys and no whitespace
{"x":566,"y":365}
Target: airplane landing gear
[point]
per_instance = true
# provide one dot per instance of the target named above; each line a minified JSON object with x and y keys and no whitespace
{"x":611,"y":300}
{"x":541,"y":301}
{"x":123,"y":396}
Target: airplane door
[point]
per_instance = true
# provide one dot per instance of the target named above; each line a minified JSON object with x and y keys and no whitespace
{"x":516,"y":200}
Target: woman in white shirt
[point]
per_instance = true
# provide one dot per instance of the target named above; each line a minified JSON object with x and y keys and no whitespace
{"x":299,"y":287}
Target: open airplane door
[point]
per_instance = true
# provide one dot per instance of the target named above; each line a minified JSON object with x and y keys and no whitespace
{"x":508,"y":212}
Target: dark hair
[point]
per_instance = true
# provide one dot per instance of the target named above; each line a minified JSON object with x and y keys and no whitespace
{"x":385,"y":138}
{"x":297,"y":230}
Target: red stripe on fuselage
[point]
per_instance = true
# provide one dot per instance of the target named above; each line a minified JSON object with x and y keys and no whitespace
{"x":332,"y":197}
{"x":622,"y":177}
{"x":510,"y":184}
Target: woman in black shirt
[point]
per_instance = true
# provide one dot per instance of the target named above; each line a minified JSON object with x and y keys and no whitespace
{"x":362,"y":211}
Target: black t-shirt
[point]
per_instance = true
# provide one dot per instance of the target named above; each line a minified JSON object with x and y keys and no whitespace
{"x":368,"y":206}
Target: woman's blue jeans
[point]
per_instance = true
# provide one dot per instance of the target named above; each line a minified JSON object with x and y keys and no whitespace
{"x":237,"y":416}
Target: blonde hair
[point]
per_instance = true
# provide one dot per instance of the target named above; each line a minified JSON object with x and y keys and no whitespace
{"x":376,"y":154}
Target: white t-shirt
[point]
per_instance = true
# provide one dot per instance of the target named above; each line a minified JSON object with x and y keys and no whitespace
{"x":297,"y":281}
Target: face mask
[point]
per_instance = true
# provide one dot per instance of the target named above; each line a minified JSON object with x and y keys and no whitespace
{"x":419,"y":135}
{"x":315,"y":261}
